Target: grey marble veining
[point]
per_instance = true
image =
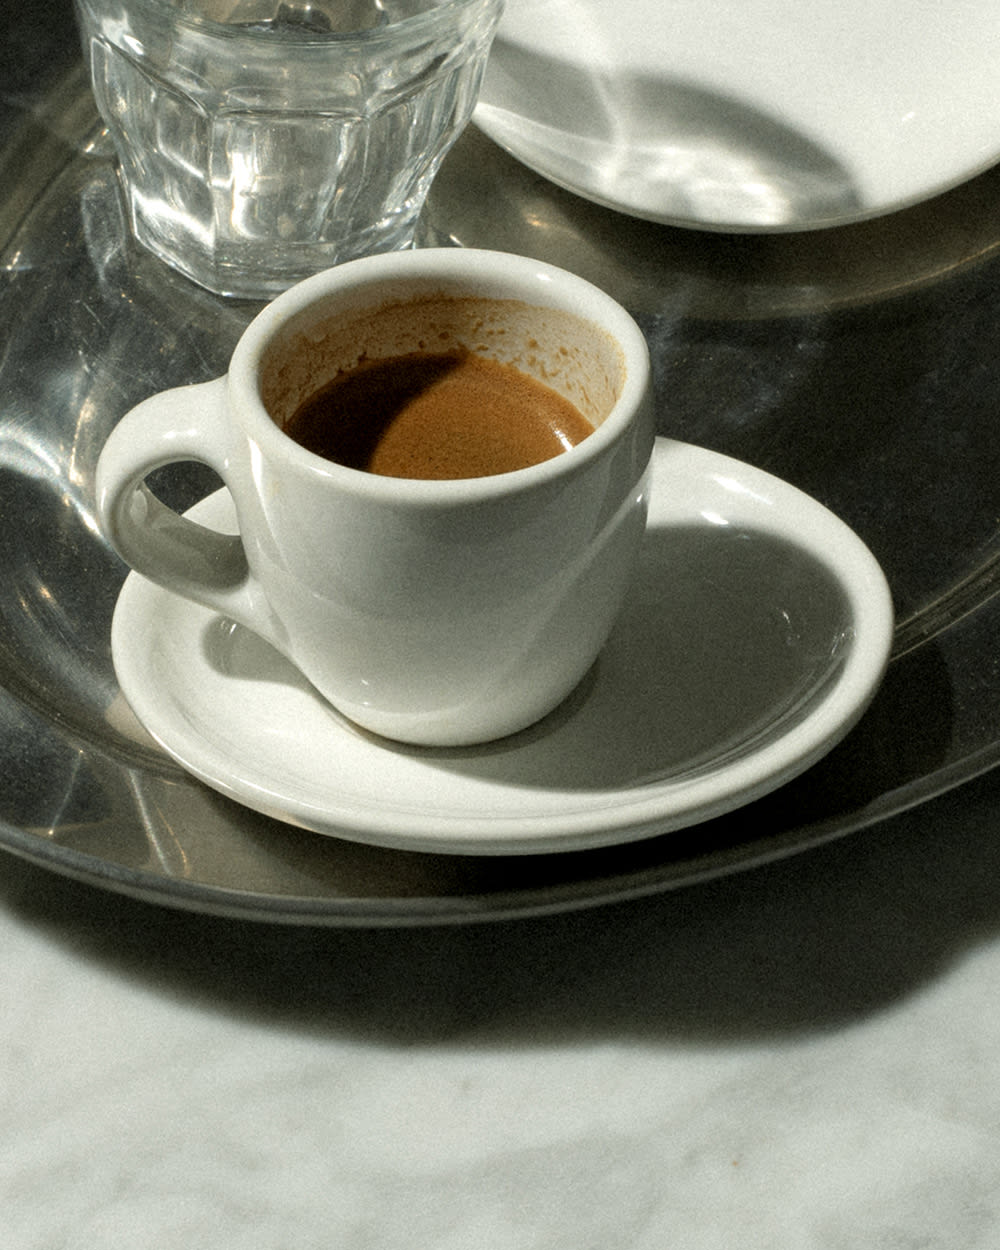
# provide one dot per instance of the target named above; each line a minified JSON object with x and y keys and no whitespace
{"x":802,"y":1057}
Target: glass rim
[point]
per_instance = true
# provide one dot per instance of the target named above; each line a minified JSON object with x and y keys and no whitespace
{"x":169,"y":10}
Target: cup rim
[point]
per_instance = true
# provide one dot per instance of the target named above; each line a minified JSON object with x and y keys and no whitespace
{"x":492,"y":274}
{"x":440,"y":14}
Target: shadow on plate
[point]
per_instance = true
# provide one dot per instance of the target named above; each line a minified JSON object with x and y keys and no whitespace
{"x":729,"y":640}
{"x":663,"y":149}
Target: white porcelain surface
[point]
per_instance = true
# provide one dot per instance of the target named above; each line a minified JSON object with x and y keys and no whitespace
{"x":758,"y":115}
{"x":799,"y":1058}
{"x":463,"y":609}
{"x":756,"y":635}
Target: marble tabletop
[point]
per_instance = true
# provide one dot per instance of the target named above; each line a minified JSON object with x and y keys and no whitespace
{"x":801,"y":1057}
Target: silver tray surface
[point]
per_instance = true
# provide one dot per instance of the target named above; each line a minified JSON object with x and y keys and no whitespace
{"x":857,"y":363}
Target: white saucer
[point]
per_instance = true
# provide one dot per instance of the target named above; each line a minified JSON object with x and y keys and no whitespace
{"x":757,"y":633}
{"x":754,"y":115}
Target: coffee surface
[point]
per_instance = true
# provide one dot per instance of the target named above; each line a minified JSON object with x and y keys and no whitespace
{"x":448,"y":415}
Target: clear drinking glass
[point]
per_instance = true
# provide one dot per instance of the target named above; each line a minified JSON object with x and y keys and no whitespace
{"x":262,"y":140}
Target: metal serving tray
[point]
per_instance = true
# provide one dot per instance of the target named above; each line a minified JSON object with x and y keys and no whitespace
{"x":861,"y":364}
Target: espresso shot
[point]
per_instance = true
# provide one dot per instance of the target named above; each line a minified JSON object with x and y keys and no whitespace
{"x":441,"y":385}
{"x":442,"y":415}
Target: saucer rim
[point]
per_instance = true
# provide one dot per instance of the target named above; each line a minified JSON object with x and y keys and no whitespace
{"x":624,"y":816}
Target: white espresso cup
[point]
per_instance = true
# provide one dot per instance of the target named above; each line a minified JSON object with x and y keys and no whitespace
{"x":442,"y":613}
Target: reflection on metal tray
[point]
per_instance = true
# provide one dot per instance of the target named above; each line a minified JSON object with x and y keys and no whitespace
{"x":858,"y":364}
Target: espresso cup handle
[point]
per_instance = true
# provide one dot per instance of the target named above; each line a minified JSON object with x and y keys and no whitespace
{"x":187,"y":423}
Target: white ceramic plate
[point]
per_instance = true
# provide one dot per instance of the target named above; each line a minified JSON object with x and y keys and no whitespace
{"x":757,"y":633}
{"x":748,"y":115}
